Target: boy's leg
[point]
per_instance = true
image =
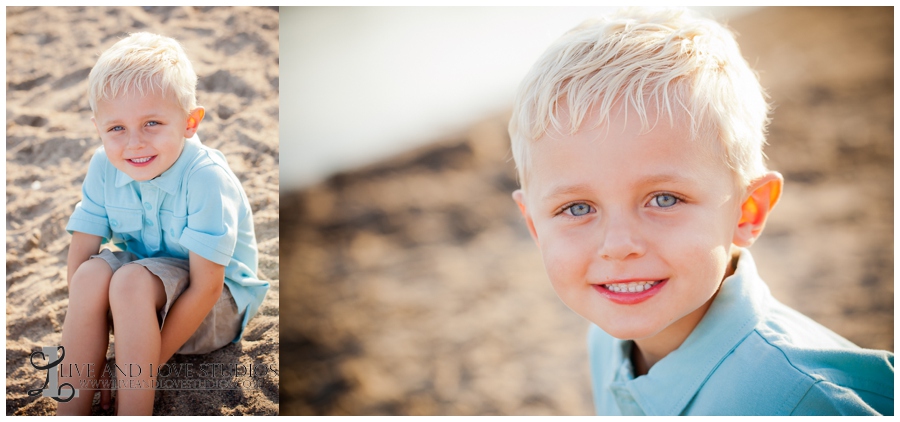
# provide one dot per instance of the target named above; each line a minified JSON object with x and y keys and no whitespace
{"x":135,"y":295}
{"x":85,"y":334}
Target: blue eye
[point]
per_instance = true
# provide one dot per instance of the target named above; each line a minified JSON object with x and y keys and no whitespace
{"x":116,"y":128}
{"x":153,"y":123}
{"x":663,"y":200}
{"x":578,"y":210}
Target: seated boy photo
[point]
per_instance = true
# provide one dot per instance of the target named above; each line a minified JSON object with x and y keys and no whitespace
{"x":183,"y":277}
{"x":638,"y":143}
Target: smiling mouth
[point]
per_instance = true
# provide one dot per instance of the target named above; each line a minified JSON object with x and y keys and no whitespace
{"x":630,"y":287}
{"x":141,"y":160}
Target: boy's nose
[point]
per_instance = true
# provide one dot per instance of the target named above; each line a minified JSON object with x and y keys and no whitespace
{"x":621,"y":239}
{"x":135,"y":141}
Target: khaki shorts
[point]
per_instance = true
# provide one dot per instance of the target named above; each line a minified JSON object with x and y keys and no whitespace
{"x":220,"y":326}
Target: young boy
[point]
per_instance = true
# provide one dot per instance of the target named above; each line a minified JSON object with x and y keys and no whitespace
{"x":638,"y":140}
{"x":185,"y":278}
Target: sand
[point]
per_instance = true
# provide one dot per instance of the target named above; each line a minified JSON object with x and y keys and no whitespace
{"x":415,"y":288}
{"x":50,"y":139}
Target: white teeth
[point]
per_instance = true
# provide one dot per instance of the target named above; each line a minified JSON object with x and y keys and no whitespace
{"x":632,"y":287}
{"x":140,"y":160}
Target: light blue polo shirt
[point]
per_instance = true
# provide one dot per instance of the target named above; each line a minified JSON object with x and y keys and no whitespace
{"x":196,"y":205}
{"x":750,"y":355}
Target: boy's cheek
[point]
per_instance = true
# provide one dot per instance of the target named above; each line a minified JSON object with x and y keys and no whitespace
{"x":562,"y":262}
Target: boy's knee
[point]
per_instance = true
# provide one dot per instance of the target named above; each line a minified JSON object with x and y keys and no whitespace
{"x":134,"y":284}
{"x":92,"y":276}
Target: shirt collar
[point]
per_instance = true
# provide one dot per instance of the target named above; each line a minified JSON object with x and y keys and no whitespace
{"x":673,"y":381}
{"x":170,"y":180}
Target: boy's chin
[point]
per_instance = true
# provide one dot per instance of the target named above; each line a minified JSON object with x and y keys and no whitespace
{"x":628,"y":335}
{"x":628,"y":332}
{"x":139,"y":176}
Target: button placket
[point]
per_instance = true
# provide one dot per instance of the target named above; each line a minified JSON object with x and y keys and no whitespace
{"x":152,"y":236}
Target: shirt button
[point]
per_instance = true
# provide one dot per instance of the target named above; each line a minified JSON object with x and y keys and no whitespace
{"x":150,"y":223}
{"x":147,"y":206}
{"x":113,"y":223}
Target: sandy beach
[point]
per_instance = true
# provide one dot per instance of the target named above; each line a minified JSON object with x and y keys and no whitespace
{"x":50,"y":138}
{"x":415,"y":288}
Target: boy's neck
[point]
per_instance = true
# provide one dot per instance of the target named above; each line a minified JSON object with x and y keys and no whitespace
{"x":646,"y":352}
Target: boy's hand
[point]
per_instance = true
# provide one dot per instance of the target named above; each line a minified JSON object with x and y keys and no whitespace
{"x":188,"y":311}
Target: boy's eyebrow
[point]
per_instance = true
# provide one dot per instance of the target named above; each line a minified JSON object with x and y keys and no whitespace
{"x":563,"y":190}
{"x":653,"y":179}
{"x":147,"y":115}
{"x":661,"y":178}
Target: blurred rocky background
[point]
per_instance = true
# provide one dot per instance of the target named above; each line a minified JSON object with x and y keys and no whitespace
{"x":413,"y":288}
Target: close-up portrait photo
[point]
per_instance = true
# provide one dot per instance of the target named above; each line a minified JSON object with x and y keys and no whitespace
{"x":579,"y":211}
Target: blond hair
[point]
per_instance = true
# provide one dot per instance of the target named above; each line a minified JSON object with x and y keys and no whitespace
{"x":681,"y":63}
{"x":143,"y":63}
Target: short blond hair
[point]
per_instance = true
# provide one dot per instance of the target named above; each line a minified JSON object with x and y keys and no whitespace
{"x":142,"y":63}
{"x":682,"y":63}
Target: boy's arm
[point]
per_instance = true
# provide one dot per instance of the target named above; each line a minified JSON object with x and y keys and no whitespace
{"x":188,"y":311}
{"x":80,"y":250}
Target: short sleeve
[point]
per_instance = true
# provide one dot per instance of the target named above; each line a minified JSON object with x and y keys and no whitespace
{"x":213,"y":203}
{"x":90,"y":214}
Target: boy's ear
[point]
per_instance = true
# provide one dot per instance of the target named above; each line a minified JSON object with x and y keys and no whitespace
{"x":762,"y":195}
{"x":193,"y":121}
{"x":519,"y":197}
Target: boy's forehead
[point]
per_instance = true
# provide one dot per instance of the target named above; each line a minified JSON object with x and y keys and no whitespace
{"x":665,"y":149}
{"x":148,"y":97}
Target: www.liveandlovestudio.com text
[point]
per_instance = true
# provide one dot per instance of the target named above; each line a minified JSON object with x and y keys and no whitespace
{"x":179,"y":376}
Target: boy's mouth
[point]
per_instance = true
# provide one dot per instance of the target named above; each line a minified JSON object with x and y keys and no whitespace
{"x":141,"y":161}
{"x":630,"y":292}
{"x":630,"y":287}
